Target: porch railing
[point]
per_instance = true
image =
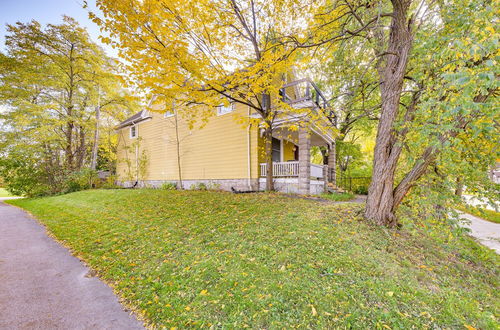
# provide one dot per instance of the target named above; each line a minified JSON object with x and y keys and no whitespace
{"x":316,"y":171}
{"x":281,"y":169}
{"x":290,"y":169}
{"x":307,"y":91}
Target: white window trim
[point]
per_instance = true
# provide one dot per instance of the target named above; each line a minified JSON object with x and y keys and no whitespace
{"x":225,"y":113}
{"x":136,"y":131}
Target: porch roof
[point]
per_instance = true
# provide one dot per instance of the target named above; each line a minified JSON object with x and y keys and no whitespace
{"x":136,"y":118}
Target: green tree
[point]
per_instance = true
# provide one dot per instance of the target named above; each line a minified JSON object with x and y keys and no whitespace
{"x":53,"y":80}
{"x":437,"y":77}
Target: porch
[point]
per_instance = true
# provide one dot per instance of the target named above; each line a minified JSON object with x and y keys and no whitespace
{"x":310,"y":126}
{"x":286,"y":178}
{"x":291,"y":170}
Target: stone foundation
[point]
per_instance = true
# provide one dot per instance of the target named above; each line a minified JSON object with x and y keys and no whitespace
{"x":219,"y":184}
{"x":285,"y":185}
{"x":291,"y":185}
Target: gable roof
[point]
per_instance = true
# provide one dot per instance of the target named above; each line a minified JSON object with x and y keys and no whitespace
{"x":138,"y":117}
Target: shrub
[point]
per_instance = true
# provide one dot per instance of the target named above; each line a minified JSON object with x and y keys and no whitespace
{"x":361,"y":190}
{"x":199,"y":186}
{"x":169,"y":186}
{"x":213,"y":186}
{"x":110,"y":183}
{"x":21,"y":176}
{"x":81,"y":180}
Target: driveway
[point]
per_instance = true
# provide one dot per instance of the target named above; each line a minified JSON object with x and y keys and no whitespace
{"x":42,"y":286}
{"x":486,"y":232}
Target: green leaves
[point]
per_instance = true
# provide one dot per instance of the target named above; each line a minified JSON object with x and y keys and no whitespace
{"x":52,"y":78}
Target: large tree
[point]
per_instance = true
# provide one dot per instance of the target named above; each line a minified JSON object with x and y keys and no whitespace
{"x":437,"y":79}
{"x":53,"y":81}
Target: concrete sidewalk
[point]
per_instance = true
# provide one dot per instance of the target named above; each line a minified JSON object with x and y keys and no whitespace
{"x":42,"y":286}
{"x":486,"y":232}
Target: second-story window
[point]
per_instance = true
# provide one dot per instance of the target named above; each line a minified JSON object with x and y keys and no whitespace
{"x":169,"y":114}
{"x":223,"y":109}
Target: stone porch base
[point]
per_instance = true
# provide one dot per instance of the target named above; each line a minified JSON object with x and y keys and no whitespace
{"x":291,"y":185}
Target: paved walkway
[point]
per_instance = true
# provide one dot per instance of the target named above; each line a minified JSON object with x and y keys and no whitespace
{"x":486,"y":232}
{"x":482,"y":203}
{"x":42,"y":286}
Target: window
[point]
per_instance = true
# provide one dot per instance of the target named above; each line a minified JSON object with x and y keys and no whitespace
{"x":133,"y":131}
{"x":276,"y":155}
{"x":222,"y":109}
{"x":169,"y":114}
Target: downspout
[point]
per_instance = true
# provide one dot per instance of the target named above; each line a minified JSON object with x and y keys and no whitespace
{"x":249,"y":182}
{"x":133,"y":122}
{"x":136,"y":156}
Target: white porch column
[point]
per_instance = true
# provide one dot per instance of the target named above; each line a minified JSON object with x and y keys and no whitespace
{"x":332,"y":163}
{"x":304,"y":161}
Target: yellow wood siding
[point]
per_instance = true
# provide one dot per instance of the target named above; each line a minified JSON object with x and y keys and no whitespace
{"x":217,"y":151}
{"x":288,"y":151}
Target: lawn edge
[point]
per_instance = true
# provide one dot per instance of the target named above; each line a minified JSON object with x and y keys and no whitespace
{"x":467,"y":211}
{"x":127,"y":307}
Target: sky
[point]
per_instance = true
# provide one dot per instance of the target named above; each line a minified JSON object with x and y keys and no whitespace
{"x":47,"y":11}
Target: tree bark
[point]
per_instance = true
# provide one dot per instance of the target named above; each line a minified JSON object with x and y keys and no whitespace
{"x":70,"y":125}
{"x":380,"y":205}
{"x":459,"y":190}
{"x":95,"y":146}
{"x":80,"y":149}
{"x":69,"y":144}
{"x":178,"y":148}
{"x":268,"y":140}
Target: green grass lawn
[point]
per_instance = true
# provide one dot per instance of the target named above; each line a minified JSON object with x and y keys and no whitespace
{"x":338,"y":197}
{"x":5,"y":193}
{"x":194,"y":258}
{"x":485,"y":214}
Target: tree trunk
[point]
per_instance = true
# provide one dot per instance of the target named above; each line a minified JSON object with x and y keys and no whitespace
{"x":178,"y":147}
{"x":459,"y":190}
{"x":81,"y":149}
{"x":380,"y":205}
{"x":268,"y":140}
{"x":70,"y":125}
{"x":69,"y":145}
{"x":95,"y":147}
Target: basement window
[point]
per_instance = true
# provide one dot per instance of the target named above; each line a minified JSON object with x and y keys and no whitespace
{"x":133,"y":131}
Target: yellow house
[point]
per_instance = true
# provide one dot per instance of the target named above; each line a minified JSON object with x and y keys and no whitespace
{"x":155,"y":147}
